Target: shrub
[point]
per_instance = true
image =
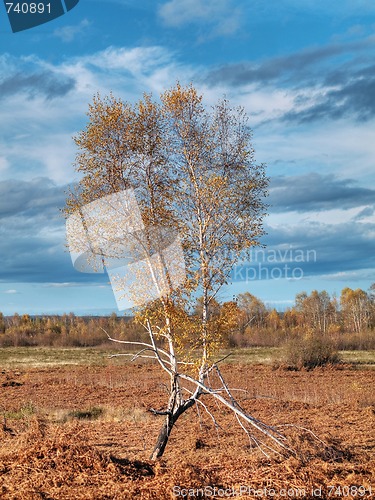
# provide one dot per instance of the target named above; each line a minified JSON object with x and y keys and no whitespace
{"x":363,"y":341}
{"x":310,"y":352}
{"x":91,"y":414}
{"x":25,"y":411}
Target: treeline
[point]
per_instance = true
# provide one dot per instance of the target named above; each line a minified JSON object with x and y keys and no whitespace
{"x":67,"y":330}
{"x":348,"y":321}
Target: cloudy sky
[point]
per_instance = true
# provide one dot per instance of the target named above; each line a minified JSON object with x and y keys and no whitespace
{"x":304,"y":71}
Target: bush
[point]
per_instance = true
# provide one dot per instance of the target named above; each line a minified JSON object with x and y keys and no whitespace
{"x":363,"y":341}
{"x":257,"y":337}
{"x":91,"y":414}
{"x":310,"y":352}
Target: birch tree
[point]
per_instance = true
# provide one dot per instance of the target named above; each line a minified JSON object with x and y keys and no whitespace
{"x":356,"y":309}
{"x":253,"y":310}
{"x":194,"y":173}
{"x":317,"y":310}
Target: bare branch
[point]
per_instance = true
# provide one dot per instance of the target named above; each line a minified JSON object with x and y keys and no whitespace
{"x":137,"y":355}
{"x":216,"y":424}
{"x":155,"y":348}
{"x":225,"y":357}
{"x":294,"y":426}
{"x":257,"y":424}
{"x":151,"y":347}
{"x":159,"y":412}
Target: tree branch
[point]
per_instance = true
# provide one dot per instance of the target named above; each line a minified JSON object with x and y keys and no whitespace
{"x":155,"y":348}
{"x":159,"y":412}
{"x":233,"y":405}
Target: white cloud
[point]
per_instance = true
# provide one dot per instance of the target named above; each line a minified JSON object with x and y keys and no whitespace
{"x":263,"y":104}
{"x":4,"y":164}
{"x":69,"y":33}
{"x":36,"y":138}
{"x":46,"y":147}
{"x":10,"y":292}
{"x":136,"y":60}
{"x":222,"y":14}
{"x":36,"y":133}
{"x":73,"y":284}
{"x":330,"y":217}
{"x":343,"y":147}
{"x":350,"y":276}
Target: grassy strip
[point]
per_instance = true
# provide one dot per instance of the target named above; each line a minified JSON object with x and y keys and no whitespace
{"x":33,"y":357}
{"x":358,"y":357}
{"x":48,"y":356}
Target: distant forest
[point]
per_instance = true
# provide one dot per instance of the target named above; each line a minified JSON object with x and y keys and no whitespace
{"x":349,"y":321}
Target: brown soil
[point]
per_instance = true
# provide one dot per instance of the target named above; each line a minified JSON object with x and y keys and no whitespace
{"x":48,"y":452}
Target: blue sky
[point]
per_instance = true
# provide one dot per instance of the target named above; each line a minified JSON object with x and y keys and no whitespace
{"x":305,"y":73}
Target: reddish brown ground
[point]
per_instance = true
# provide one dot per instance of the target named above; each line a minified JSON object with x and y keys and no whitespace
{"x":47,"y":454}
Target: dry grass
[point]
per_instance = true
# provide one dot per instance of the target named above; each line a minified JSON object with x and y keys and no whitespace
{"x":59,"y":462}
{"x":48,"y":356}
{"x":48,"y":452}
